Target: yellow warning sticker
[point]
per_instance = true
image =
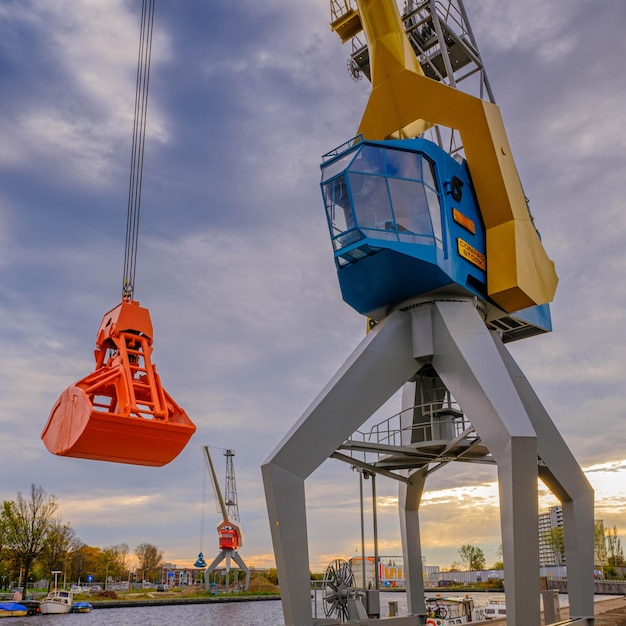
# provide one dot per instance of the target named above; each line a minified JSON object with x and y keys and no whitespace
{"x":471,"y":254}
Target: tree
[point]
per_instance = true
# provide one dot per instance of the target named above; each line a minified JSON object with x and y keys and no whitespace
{"x":112,"y":562}
{"x":599,"y":545}
{"x":614,"y":548}
{"x":555,"y":540}
{"x":60,"y":542}
{"x":27,"y":522}
{"x":472,"y":557}
{"x":149,"y":559}
{"x":499,"y":564}
{"x":83,"y":562}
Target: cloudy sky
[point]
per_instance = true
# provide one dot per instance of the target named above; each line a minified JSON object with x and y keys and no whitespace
{"x":235,"y":263}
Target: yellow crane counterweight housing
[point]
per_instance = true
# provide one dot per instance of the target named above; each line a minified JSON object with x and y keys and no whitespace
{"x":404,"y":102}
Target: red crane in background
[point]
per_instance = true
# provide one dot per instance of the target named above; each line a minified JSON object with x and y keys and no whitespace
{"x":228,"y":530}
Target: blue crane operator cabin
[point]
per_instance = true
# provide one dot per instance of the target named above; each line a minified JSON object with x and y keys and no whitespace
{"x":404,"y":222}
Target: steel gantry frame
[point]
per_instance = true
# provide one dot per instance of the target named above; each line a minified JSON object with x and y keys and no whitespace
{"x":450,"y":337}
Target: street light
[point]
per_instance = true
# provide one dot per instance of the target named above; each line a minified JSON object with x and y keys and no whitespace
{"x":106,"y":574}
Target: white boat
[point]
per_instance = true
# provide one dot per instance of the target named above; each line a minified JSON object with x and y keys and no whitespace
{"x":57,"y":601}
{"x":450,"y":611}
{"x":494,"y":610}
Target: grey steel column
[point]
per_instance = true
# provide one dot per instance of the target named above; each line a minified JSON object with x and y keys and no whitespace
{"x":409,"y":498}
{"x":379,"y":366}
{"x":471,"y":367}
{"x":561,"y":473}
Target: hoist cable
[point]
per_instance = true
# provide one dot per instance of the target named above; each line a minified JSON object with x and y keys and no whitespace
{"x":137,"y":150}
{"x":204,"y":490}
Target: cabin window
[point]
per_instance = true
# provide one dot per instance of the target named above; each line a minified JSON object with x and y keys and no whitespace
{"x":382,"y":193}
{"x":401,"y":164}
{"x":372,"y":206}
{"x":411,"y":209}
{"x":339,"y":213}
{"x":370,"y":160}
{"x":332,"y":169}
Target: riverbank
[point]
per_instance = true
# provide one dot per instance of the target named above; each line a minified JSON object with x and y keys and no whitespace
{"x":173,"y":601}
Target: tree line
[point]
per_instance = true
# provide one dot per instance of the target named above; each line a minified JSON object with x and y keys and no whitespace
{"x":35,"y":541}
{"x":609,"y":554}
{"x":608,"y":551}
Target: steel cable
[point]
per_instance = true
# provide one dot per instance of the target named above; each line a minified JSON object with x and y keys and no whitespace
{"x":137,"y":150}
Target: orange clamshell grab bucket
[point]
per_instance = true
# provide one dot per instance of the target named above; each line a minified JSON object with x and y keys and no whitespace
{"x":120,"y":412}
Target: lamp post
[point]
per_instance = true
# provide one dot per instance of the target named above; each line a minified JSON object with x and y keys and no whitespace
{"x":106,"y":575}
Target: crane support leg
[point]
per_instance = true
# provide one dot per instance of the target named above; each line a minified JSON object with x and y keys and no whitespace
{"x":216,"y":561}
{"x":409,"y":498}
{"x":562,"y":475}
{"x":383,"y":358}
{"x":497,"y":400}
{"x":227,"y":555}
{"x":243,"y":567}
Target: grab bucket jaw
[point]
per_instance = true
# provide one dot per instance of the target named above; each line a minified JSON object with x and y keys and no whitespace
{"x":120,"y":412}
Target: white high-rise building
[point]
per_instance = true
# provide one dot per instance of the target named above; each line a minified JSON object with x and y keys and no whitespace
{"x":551,"y":545}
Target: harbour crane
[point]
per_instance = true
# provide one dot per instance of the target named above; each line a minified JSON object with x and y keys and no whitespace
{"x":228,"y":530}
{"x":120,"y":412}
{"x":435,"y":244}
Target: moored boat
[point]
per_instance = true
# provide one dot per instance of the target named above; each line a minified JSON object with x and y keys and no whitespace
{"x":451,"y":611}
{"x":81,"y":607}
{"x":57,"y":601}
{"x":494,"y":610}
{"x":12,"y":609}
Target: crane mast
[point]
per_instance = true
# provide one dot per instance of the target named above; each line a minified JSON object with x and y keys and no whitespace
{"x":230,"y":489}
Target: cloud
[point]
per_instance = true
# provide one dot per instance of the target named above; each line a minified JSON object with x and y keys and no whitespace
{"x":80,"y":103}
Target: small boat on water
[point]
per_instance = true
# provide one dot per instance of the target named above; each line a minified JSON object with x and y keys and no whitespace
{"x":494,"y":610}
{"x":451,"y":611}
{"x":12,"y":609}
{"x":81,"y":607}
{"x":57,"y":601}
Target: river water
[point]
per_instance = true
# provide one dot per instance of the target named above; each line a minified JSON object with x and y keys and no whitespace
{"x":266,"y":613}
{"x":258,"y":613}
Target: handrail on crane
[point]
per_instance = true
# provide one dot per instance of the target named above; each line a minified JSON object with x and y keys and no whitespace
{"x":345,"y":19}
